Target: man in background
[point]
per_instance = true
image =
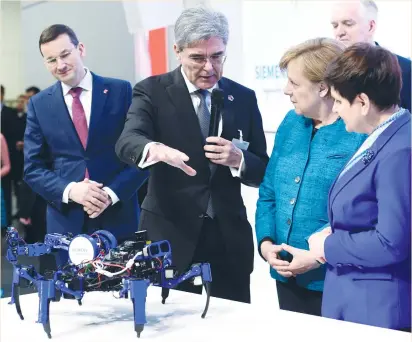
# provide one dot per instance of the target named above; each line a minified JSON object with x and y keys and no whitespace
{"x":355,"y":22}
{"x":32,"y":207}
{"x":30,"y":91}
{"x":8,"y":117}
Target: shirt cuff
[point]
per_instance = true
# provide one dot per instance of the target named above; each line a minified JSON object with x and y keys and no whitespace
{"x":112,"y":195}
{"x":66,"y":191}
{"x":142,"y":163}
{"x":237,"y":172}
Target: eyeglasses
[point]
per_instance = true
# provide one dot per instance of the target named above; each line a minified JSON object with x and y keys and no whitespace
{"x":63,"y":57}
{"x":214,"y":60}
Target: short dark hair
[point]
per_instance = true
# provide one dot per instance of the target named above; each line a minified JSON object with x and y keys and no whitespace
{"x":369,"y":69}
{"x":33,"y":89}
{"x":54,"y":31}
{"x":1,"y":90}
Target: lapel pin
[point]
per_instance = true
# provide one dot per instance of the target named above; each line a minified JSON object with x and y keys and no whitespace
{"x":368,"y":156}
{"x":230,"y":98}
{"x":105,"y":91}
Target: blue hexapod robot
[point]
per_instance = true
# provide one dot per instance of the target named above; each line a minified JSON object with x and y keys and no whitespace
{"x":97,"y":263}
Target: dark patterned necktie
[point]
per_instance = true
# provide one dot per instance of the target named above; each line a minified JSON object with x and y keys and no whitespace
{"x":79,"y":118}
{"x":203,"y":114}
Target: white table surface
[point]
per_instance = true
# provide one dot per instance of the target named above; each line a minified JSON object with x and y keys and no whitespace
{"x":104,"y":318}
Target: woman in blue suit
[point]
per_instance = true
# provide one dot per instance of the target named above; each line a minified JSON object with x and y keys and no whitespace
{"x":368,"y":251}
{"x":311,"y":147}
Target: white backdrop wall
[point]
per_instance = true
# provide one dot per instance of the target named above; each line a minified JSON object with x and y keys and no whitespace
{"x":11,"y":53}
{"x":100,"y":25}
{"x":260,"y":32}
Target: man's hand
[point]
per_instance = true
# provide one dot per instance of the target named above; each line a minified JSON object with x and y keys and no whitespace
{"x":270,"y":253}
{"x":19,"y":145}
{"x":93,"y":214}
{"x":303,"y":260}
{"x":225,"y":152}
{"x":171,"y":156}
{"x":317,"y":243}
{"x":89,"y":194}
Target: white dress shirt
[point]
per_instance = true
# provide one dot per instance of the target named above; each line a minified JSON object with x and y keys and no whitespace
{"x":86,"y":99}
{"x":196,"y":103}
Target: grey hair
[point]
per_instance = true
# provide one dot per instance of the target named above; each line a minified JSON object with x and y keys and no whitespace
{"x":199,"y":24}
{"x":370,"y":8}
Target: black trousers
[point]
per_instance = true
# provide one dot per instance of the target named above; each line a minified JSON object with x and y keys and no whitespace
{"x":227,"y":283}
{"x":6,"y":184}
{"x":37,"y":230}
{"x":298,"y":299}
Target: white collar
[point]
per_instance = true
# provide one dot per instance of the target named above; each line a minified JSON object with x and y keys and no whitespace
{"x":191,"y":87}
{"x":86,"y":83}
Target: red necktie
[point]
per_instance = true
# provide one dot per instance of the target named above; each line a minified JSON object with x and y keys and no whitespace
{"x":79,"y":118}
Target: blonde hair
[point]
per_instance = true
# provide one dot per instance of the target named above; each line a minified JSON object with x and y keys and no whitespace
{"x":315,"y":54}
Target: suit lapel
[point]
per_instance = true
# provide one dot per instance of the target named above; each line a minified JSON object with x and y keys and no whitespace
{"x":227,"y":113}
{"x":100,"y":93}
{"x":185,"y":112}
{"x":363,"y":163}
{"x":340,"y":183}
{"x":59,"y":111}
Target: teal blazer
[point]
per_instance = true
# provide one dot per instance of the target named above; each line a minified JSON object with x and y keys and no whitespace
{"x":293,"y":196}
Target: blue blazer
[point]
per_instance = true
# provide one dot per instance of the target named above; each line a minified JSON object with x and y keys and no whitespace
{"x":368,"y":278}
{"x":54,"y":157}
{"x":293,"y":197}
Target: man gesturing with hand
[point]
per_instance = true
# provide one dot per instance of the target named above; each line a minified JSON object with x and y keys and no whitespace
{"x":194,"y":199}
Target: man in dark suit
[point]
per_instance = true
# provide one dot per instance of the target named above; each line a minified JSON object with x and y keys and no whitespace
{"x":31,"y":206}
{"x":355,"y":22}
{"x":72,"y":128}
{"x":8,"y":117}
{"x":16,"y":141}
{"x":194,"y":190}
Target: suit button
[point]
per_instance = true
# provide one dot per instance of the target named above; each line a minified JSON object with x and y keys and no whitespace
{"x":292,"y":201}
{"x":133,"y":159}
{"x":350,"y":265}
{"x":339,"y":265}
{"x":289,"y":222}
{"x":360,"y":267}
{"x":201,"y":216}
{"x":297,"y":179}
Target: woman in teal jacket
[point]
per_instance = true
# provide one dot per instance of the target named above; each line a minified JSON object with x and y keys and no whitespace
{"x":311,"y":147}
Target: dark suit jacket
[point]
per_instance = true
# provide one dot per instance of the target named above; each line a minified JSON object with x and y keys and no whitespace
{"x":12,"y":127}
{"x":8,"y":115}
{"x":406,"y":91}
{"x":54,"y":157}
{"x":17,"y":156}
{"x":162,"y":111}
{"x":368,"y":277}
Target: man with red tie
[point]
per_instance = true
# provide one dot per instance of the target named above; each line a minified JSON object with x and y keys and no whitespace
{"x":72,"y":128}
